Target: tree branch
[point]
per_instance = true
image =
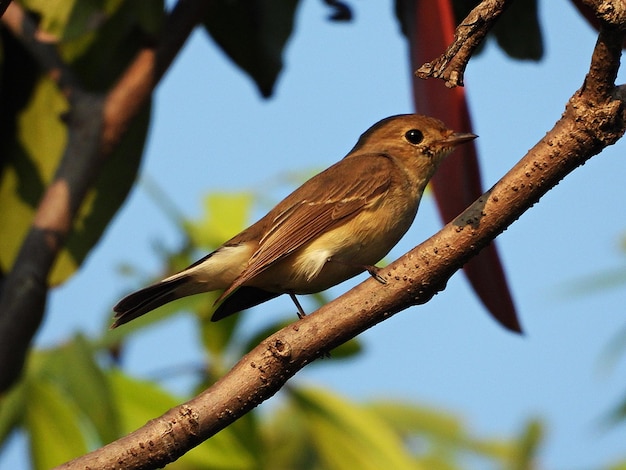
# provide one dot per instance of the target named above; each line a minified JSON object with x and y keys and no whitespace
{"x":594,"y":118}
{"x":95,"y":126}
{"x":25,"y":29}
{"x":608,"y":12}
{"x":4,"y":4}
{"x":468,"y":35}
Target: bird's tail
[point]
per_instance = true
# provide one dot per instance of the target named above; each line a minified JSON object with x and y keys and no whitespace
{"x":151,"y":297}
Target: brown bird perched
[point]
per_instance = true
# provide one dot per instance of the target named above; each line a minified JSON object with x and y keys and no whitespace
{"x":333,"y":227}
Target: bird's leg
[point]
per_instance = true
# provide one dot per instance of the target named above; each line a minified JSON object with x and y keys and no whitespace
{"x":301,"y":313}
{"x":372,"y":270}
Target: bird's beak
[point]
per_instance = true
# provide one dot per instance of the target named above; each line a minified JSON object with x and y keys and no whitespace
{"x":458,"y":138}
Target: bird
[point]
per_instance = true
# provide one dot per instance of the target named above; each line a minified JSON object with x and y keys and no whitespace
{"x":336,"y":225}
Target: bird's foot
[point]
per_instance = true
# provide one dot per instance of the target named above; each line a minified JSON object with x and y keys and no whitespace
{"x":374,"y":271}
{"x":300,"y":312}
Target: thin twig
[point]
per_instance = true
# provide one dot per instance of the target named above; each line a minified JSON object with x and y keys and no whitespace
{"x":609,"y":12}
{"x":450,"y":66}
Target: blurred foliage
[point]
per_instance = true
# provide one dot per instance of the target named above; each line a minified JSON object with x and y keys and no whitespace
{"x":76,"y":397}
{"x":600,"y":281}
{"x":97,"y":39}
{"x":615,"y":351}
{"x":253,"y":33}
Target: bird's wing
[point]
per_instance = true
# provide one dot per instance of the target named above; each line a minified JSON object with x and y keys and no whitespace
{"x":326,"y":201}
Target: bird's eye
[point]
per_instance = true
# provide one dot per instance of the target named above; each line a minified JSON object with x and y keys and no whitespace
{"x":414,"y":136}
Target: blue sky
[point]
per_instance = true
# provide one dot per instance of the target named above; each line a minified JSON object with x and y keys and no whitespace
{"x":212,"y":132}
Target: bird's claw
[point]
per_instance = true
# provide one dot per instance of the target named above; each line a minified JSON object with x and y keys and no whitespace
{"x":374,"y":271}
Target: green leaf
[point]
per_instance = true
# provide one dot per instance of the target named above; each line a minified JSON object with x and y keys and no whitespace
{"x":595,"y":283}
{"x":347,"y":350}
{"x":518,"y":32}
{"x":63,"y":19}
{"x":217,"y":336}
{"x":618,"y":414}
{"x":412,"y":418}
{"x":68,"y":20}
{"x":140,"y":401}
{"x":53,"y":423}
{"x":29,"y":158}
{"x":614,"y":350}
{"x":528,"y":447}
{"x":442,"y":432}
{"x":73,"y":367}
{"x":224,"y":216}
{"x":348,"y":436}
{"x":12,"y":408}
{"x":286,"y":441}
{"x":253,"y":33}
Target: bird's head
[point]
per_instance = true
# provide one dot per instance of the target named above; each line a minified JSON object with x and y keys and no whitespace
{"x":414,"y":138}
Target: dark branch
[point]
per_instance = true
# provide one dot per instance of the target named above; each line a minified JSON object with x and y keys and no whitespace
{"x":468,"y":35}
{"x":609,"y":12}
{"x":4,"y":5}
{"x":24,"y":28}
{"x":95,"y":126}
